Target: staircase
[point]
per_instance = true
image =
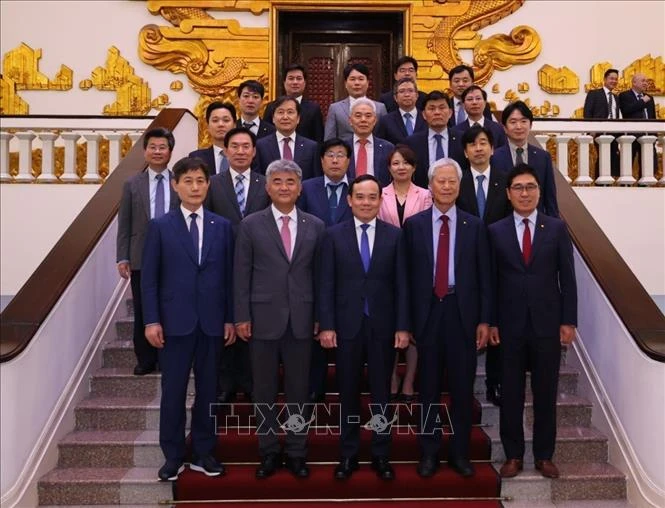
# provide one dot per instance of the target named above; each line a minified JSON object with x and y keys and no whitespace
{"x":113,"y":454}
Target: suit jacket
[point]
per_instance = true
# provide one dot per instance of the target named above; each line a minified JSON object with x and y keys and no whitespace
{"x":133,"y":218}
{"x":345,"y":286}
{"x":419,"y":143}
{"x":305,"y":153}
{"x":337,"y":121}
{"x":496,"y":129}
{"x":545,"y":289}
{"x":265,"y":128}
{"x":595,"y":105}
{"x":497,"y":205}
{"x":314,"y":199}
{"x":472,"y":271}
{"x":222,"y":199}
{"x":311,"y":119}
{"x":207,"y":155}
{"x":269,"y":290}
{"x":176,"y":290}
{"x":417,"y":200}
{"x":487,"y":113}
{"x":539,"y":160}
{"x":391,"y":126}
{"x":382,"y":149}
{"x":388,"y":98}
{"x":633,"y":108}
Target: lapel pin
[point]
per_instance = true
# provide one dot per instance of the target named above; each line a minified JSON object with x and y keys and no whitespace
{"x":542,"y":226}
{"x":464,"y":222}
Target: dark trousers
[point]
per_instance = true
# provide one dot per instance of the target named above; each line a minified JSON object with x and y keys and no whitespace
{"x":380,"y":354}
{"x":265,"y":356}
{"x":318,"y":371}
{"x":444,"y":343}
{"x":146,"y":355}
{"x":176,"y":359}
{"x":235,"y":370}
{"x":543,"y":355}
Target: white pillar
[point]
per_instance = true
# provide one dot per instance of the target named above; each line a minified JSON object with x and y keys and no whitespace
{"x":583,"y":177}
{"x":92,"y":157}
{"x":70,"y":157}
{"x":4,"y":156}
{"x":626,"y":153}
{"x":115,"y":139}
{"x":542,"y":139}
{"x":135,"y":136}
{"x":662,"y":159}
{"x":604,"y":160}
{"x":646,"y":160}
{"x":24,"y":157}
{"x":562,"y":154}
{"x":48,"y":157}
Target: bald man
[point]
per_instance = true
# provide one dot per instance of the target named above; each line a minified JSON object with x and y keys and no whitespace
{"x":636,"y":104}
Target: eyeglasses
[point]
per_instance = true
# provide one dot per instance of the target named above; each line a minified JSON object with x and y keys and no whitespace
{"x":519,"y":188}
{"x":335,"y":155}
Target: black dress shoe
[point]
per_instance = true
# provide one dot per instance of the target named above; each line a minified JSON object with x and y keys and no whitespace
{"x":462,"y":467}
{"x":346,"y":467}
{"x":383,"y":468}
{"x":316,"y":397}
{"x":406,"y":398}
{"x":428,"y":465}
{"x":493,"y":395}
{"x":225,"y":397}
{"x":141,"y":370}
{"x":297,"y":466}
{"x":269,"y":464}
{"x":208,"y":466}
{"x":170,"y":470}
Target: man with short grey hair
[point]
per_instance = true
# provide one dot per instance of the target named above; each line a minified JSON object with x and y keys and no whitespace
{"x":274,"y":262}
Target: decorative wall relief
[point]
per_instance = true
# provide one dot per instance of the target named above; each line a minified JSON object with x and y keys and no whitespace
{"x":558,"y":80}
{"x":652,"y":68}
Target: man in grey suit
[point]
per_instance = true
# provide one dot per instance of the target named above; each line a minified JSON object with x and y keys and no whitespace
{"x":275,"y":256}
{"x":356,"y":81}
{"x":147,"y":195}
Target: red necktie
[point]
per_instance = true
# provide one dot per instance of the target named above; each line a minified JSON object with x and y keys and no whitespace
{"x":526,"y":242}
{"x":285,"y":233}
{"x":288,"y":155}
{"x":441,"y":273}
{"x":361,"y":163}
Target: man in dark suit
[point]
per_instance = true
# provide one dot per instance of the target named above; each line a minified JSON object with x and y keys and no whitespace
{"x":636,"y":104}
{"x":405,"y":67}
{"x":234,"y":194}
{"x":483,"y":194}
{"x":438,"y":141}
{"x":536,"y":313}
{"x":311,"y":119}
{"x":461,"y":77}
{"x":397,"y":125}
{"x":449,"y":275}
{"x":474,"y":99}
{"x":275,"y":257}
{"x":220,"y":118}
{"x":186,"y":283}
{"x":517,"y":119}
{"x":286,"y":144}
{"x":363,"y":312}
{"x":369,"y":153}
{"x":603,"y":105}
{"x":250,"y":98}
{"x":145,"y":196}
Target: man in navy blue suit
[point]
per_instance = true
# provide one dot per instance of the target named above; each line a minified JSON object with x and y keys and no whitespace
{"x":404,"y":120}
{"x":285,"y":143}
{"x":449,"y":274}
{"x":220,"y":119}
{"x":186,"y":282}
{"x":405,"y":67}
{"x":437,"y":141}
{"x":474,"y":99}
{"x":517,"y":119}
{"x":461,"y":77}
{"x":536,"y":313}
{"x":363,"y":312}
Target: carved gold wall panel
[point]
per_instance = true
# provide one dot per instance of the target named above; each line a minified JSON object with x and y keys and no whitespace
{"x":10,"y":102}
{"x":558,"y":80}
{"x":652,"y":68}
{"x":21,"y":65}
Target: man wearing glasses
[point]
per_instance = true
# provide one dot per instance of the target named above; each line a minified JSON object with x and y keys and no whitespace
{"x":405,"y":67}
{"x":400,"y":123}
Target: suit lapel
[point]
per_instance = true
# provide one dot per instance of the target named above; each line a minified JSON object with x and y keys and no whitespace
{"x":389,"y":199}
{"x":301,"y":234}
{"x":180,"y":227}
{"x":298,"y":150}
{"x":273,"y":231}
{"x":540,"y":231}
{"x":460,"y":238}
{"x":493,"y":190}
{"x":252,"y":192}
{"x":346,"y":105}
{"x":174,"y":200}
{"x":144,"y":192}
{"x":209,"y":234}
{"x":352,"y":243}
{"x":342,"y":205}
{"x":427,"y":226}
{"x":229,"y":190}
{"x":468,"y":190}
{"x":412,"y":202}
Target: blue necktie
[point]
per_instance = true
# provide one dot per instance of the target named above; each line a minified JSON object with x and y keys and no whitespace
{"x":408,"y":123}
{"x":240,"y":193}
{"x":461,"y":114}
{"x":194,"y":232}
{"x":365,"y":256}
{"x":224,"y":163}
{"x":159,"y":197}
{"x":480,"y":196}
{"x":439,"y":147}
{"x":332,"y":200}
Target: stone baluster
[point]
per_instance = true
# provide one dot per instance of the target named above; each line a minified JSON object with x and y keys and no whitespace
{"x":70,"y":139}
{"x":24,"y":157}
{"x":48,"y":157}
{"x":626,"y":153}
{"x":562,"y":154}
{"x":604,"y":160}
{"x":662,"y":159}
{"x":92,"y":157}
{"x":135,"y":136}
{"x":647,"y":162}
{"x":583,"y":143}
{"x":115,"y":140}
{"x":4,"y":156}
{"x":542,"y":139}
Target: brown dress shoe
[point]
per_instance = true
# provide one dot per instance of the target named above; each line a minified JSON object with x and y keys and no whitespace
{"x":511,"y":468}
{"x":547,"y":468}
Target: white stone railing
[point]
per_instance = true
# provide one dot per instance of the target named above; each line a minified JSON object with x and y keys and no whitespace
{"x":24,"y":135}
{"x":649,"y":134}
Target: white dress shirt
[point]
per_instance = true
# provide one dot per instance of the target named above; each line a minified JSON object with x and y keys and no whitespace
{"x":217,"y":151}
{"x":152,"y":189}
{"x":519,"y":226}
{"x":371,"y":233}
{"x":513,"y":152}
{"x":255,"y":124}
{"x":280,"y":143}
{"x":199,"y":222}
{"x":369,"y":148}
{"x":436,"y":230}
{"x":338,"y":191}
{"x":293,"y":223}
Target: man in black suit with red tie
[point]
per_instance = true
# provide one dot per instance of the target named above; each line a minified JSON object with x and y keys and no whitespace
{"x":603,"y":105}
{"x":636,"y":104}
